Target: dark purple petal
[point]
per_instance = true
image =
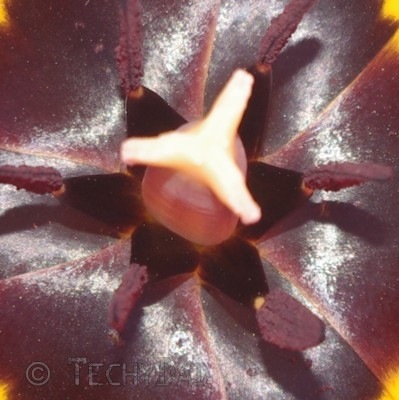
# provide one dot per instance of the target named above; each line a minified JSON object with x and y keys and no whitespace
{"x":330,"y":48}
{"x":177,"y":58}
{"x":58,"y":65}
{"x":346,"y":258}
{"x":37,"y":231}
{"x":58,"y":317}
{"x":59,"y":81}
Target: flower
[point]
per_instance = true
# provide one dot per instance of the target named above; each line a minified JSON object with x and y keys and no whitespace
{"x":341,"y":253}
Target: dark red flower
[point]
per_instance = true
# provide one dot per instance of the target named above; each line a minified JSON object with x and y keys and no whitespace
{"x":337,"y":84}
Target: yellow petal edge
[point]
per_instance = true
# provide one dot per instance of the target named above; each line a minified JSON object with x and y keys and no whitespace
{"x":4,"y":390}
{"x":4,"y":18}
{"x":390,"y":10}
{"x":391,"y":384}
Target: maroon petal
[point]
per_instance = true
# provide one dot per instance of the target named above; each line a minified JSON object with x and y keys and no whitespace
{"x":89,"y":86}
{"x":36,"y":231}
{"x":324,"y":55}
{"x":353,"y":276}
{"x":182,"y":345}
{"x":330,"y":48}
{"x":177,"y":58}
{"x":59,"y":81}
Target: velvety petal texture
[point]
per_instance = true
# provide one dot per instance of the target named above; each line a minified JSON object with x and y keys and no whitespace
{"x":59,"y":81}
{"x":193,"y":331}
{"x":361,"y":279}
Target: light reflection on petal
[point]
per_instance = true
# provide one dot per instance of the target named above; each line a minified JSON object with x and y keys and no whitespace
{"x":323,"y":266}
{"x":92,"y":275}
{"x":94,"y":132}
{"x":330,"y":142}
{"x":176,"y":61}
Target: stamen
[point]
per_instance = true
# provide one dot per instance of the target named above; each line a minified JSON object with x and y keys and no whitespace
{"x":287,"y":323}
{"x":128,"y":53}
{"x":126,"y":296}
{"x":336,"y":176}
{"x":39,"y":180}
{"x":281,"y":28}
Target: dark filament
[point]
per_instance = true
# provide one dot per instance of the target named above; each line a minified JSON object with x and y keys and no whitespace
{"x":39,"y":180}
{"x":128,"y":52}
{"x":281,"y":28}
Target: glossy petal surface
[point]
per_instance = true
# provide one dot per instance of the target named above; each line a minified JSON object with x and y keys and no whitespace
{"x":361,"y":279}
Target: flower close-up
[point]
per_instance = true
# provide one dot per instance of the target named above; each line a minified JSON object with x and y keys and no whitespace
{"x":199,"y":199}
